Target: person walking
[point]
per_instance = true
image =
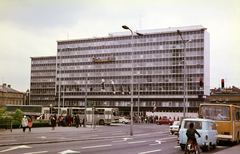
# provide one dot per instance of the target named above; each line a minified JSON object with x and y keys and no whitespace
{"x":24,"y":123}
{"x":53,"y":122}
{"x":77,"y":121}
{"x":30,"y":125}
{"x":69,"y":120}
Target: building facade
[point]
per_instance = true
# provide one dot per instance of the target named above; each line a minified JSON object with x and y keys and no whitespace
{"x":229,"y":95}
{"x":43,"y":77}
{"x":10,"y":96}
{"x":158,"y":70}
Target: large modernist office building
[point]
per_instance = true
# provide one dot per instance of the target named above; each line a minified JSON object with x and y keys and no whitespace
{"x":158,"y":70}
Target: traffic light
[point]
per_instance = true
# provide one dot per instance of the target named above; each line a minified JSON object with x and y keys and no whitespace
{"x":122,"y":89}
{"x":222,"y":83}
{"x":201,"y":83}
{"x":129,"y":89}
{"x":103,"y":85}
{"x":113,"y":88}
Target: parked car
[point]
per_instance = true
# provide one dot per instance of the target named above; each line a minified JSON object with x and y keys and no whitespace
{"x":165,"y":121}
{"x":124,"y":120}
{"x":207,"y":129}
{"x":175,"y":127}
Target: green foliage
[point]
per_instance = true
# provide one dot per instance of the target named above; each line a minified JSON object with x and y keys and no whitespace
{"x":17,"y":116}
{"x":5,"y":116}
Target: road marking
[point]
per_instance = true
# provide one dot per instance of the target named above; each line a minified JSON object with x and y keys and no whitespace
{"x":119,"y":141}
{"x":150,"y":151}
{"x":69,"y":151}
{"x":42,"y":137}
{"x":157,"y":143}
{"x":136,"y":142}
{"x":97,"y":146}
{"x":36,"y":152}
{"x":167,"y":138}
{"x":177,"y":146}
{"x":17,"y":147}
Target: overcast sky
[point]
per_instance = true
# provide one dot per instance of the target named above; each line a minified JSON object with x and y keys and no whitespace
{"x":30,"y":28}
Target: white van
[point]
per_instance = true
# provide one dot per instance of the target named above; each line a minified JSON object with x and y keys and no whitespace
{"x":206,"y":128}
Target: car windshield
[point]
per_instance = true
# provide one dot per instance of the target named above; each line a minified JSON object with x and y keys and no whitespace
{"x":215,"y":112}
{"x":176,"y":123}
{"x":197,"y":124}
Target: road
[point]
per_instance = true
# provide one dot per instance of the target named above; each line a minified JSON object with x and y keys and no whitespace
{"x":114,"y":139}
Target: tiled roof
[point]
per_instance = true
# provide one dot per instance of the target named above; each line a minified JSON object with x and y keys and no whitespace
{"x":4,"y":88}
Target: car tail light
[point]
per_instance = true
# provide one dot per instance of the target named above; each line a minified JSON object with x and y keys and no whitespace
{"x":178,"y":141}
{"x":206,"y":137}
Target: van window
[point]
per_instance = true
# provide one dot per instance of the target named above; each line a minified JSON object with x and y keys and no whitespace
{"x":214,"y":127}
{"x":197,"y":124}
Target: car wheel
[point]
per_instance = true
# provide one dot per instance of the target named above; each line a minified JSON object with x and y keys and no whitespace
{"x":157,"y":123}
{"x":172,"y":133}
{"x":123,"y":122}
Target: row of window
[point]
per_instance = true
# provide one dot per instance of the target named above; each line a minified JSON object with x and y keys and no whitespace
{"x":171,"y":35}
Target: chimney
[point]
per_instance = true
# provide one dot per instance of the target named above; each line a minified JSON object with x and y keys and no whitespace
{"x":9,"y":86}
{"x":4,"y":85}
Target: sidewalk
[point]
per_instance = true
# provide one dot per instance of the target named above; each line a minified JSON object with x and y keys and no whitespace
{"x":36,"y":130}
{"x":232,"y":150}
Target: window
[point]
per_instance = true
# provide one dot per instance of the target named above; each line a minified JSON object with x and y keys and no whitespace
{"x":197,"y":124}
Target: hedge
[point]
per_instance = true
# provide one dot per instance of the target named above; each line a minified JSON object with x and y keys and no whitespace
{"x":39,"y":124}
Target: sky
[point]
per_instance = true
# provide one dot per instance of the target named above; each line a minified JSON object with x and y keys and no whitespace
{"x":31,"y":28}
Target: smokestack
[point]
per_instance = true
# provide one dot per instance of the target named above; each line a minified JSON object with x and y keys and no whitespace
{"x":9,"y":86}
{"x":4,"y":85}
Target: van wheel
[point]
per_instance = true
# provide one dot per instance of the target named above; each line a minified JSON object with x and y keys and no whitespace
{"x":207,"y":148}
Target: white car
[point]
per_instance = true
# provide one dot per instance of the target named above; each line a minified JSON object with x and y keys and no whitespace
{"x":124,"y":120}
{"x":175,"y":127}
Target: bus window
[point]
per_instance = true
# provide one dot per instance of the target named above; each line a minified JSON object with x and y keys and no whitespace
{"x":100,"y":111}
{"x":215,"y":112}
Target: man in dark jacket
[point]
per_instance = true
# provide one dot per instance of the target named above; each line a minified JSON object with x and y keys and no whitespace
{"x":77,"y":121}
{"x":191,"y":136}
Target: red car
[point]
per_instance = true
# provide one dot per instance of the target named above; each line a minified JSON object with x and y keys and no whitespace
{"x":165,"y":121}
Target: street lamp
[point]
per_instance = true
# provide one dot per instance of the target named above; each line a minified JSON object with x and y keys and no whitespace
{"x":59,"y":82}
{"x":184,"y":77}
{"x":131,"y":131}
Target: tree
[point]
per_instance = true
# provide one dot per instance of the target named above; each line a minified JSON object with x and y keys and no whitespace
{"x":17,"y":116}
{"x":5,"y":116}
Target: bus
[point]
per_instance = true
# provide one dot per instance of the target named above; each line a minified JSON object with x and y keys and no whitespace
{"x":101,"y":115}
{"x":227,"y":118}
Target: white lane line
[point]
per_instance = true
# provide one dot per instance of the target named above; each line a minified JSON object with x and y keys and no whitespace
{"x":36,"y":152}
{"x":166,"y":138}
{"x":136,"y":142}
{"x":150,"y":151}
{"x":97,"y":146}
{"x":177,"y":146}
{"x":157,"y":143}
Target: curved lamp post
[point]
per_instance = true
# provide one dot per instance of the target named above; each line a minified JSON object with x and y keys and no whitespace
{"x":131,"y":131}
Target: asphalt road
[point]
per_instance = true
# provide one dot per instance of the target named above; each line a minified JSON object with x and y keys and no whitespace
{"x":114,"y":139}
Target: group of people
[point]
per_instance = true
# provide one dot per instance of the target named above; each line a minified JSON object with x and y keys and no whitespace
{"x":25,"y":123}
{"x":66,"y":121}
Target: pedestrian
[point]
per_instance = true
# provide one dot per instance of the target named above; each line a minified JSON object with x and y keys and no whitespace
{"x":69,"y":121}
{"x":30,"y":125}
{"x":60,"y":120}
{"x":53,"y":122}
{"x":43,"y":117}
{"x":77,"y":121}
{"x":24,"y":123}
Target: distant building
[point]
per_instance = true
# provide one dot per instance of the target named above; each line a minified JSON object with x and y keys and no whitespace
{"x":229,"y":95}
{"x":158,"y":67}
{"x":9,"y":96}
